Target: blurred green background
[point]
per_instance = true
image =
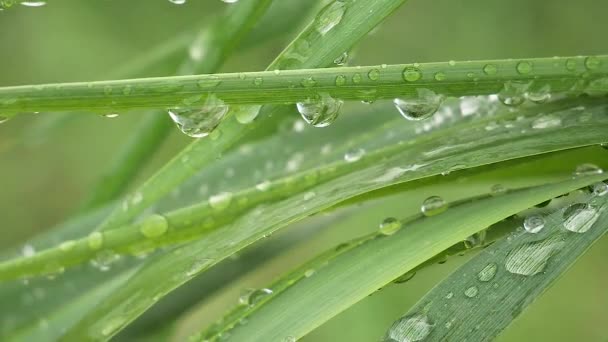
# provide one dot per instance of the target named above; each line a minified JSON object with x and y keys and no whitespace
{"x":43,"y":179}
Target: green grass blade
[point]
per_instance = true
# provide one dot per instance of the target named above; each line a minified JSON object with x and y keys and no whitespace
{"x":214,"y":44}
{"x":351,"y":83}
{"x":485,"y":295}
{"x":356,"y":22}
{"x":434,"y":153}
{"x":311,"y":301}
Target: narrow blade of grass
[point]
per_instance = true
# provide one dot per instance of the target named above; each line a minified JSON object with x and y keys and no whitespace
{"x":485,"y":295}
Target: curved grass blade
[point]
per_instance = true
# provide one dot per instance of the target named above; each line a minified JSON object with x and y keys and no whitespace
{"x":328,"y":184}
{"x":311,"y":301}
{"x":321,"y":50}
{"x":291,"y":86}
{"x":207,"y":52}
{"x":187,"y":261}
{"x":485,"y":295}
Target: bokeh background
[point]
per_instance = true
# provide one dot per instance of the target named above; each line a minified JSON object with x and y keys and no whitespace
{"x":44,"y":176}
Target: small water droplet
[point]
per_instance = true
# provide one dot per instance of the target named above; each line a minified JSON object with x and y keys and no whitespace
{"x":539,"y":94}
{"x":104,"y":259}
{"x":289,"y":339}
{"x":411,"y":74}
{"x":546,"y":121}
{"x":357,"y":78}
{"x":599,"y":189}
{"x":524,"y":67}
{"x":497,"y":189}
{"x":33,"y":3}
{"x":354,"y":155}
{"x":450,"y":295}
{"x":373,"y":74}
{"x":330,"y":16}
{"x":67,"y":246}
{"x":258,"y":81}
{"x":263,"y":186}
{"x":433,"y":205}
{"x":571,"y":64}
{"x":490,"y":69}
{"x":580,"y":217}
{"x":440,"y":76}
{"x":247,"y":114}
{"x":154,"y":226}
{"x":423,"y":107}
{"x":320,"y":112}
{"x":220,"y":201}
{"x":309,"y":273}
{"x":592,"y":62}
{"x":390,"y":226}
{"x":410,"y":328}
{"x":531,"y":258}
{"x":95,"y":240}
{"x":252,"y":296}
{"x":28,"y":251}
{"x":471,"y":292}
{"x":404,"y":278}
{"x":534,"y":224}
{"x":342,"y":59}
{"x":340,"y":80}
{"x":513,"y":93}
{"x":488,"y":272}
{"x":200,"y":122}
{"x":207,"y":82}
{"x":587,"y":169}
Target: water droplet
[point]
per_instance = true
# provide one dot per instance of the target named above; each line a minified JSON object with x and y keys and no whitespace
{"x":309,"y":195}
{"x":252,"y":296}
{"x":33,"y":3}
{"x":220,"y":201}
{"x":342,"y":59}
{"x":3,"y":119}
{"x":357,"y":78}
{"x":433,"y":205}
{"x":258,"y":81}
{"x":330,"y":16}
{"x":263,"y":186}
{"x":423,"y":107}
{"x":592,"y":62}
{"x":389,"y":226}
{"x":411,"y":74}
{"x":547,"y":121}
{"x":534,"y":224}
{"x":95,"y":240}
{"x":67,"y":246}
{"x":410,"y":329}
{"x":571,"y":64}
{"x":580,"y":217}
{"x":524,"y":67}
{"x":308,"y":82}
{"x":247,"y":114}
{"x":207,"y":82}
{"x":197,"y":266}
{"x":404,"y":278}
{"x":154,"y":226}
{"x":531,"y":258}
{"x":373,"y":74}
{"x":200,"y":122}
{"x":599,"y":189}
{"x":110,"y":115}
{"x":28,"y":251}
{"x":539,"y":94}
{"x":490,"y":69}
{"x":440,"y":76}
{"x":513,"y":93}
{"x":320,"y":112}
{"x":309,"y":273}
{"x":488,"y":272}
{"x":497,"y":189}
{"x":340,"y":80}
{"x":354,"y":155}
{"x":471,"y":291}
{"x":104,"y":259}
{"x":452,"y":63}
{"x":450,"y":295}
{"x":116,"y":322}
{"x":587,"y":169}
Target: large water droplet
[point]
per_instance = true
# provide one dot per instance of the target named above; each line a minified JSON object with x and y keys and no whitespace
{"x":220,"y":201}
{"x":587,"y":169}
{"x":531,"y":258}
{"x":389,"y":226}
{"x":253,"y":296}
{"x":433,"y":205}
{"x":423,"y":107}
{"x":200,"y":122}
{"x":580,"y":217}
{"x":320,"y":112}
{"x":330,"y":16}
{"x":534,"y":224}
{"x":488,"y":272}
{"x":154,"y":226}
{"x":409,"y":329}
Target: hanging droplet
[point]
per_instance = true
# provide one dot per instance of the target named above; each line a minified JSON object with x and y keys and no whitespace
{"x":539,"y":94}
{"x":487,"y":273}
{"x":423,"y":107}
{"x":513,"y":93}
{"x":342,"y":59}
{"x":354,"y":155}
{"x":534,"y":224}
{"x":433,"y":205}
{"x":599,"y":189}
{"x":154,"y":226}
{"x":580,"y":217}
{"x":252,"y":296}
{"x":220,"y":201}
{"x":587,"y":169}
{"x":247,"y":114}
{"x":200,"y":122}
{"x":390,"y":226}
{"x":410,"y":328}
{"x":531,"y":258}
{"x":320,"y":112}
{"x":330,"y":16}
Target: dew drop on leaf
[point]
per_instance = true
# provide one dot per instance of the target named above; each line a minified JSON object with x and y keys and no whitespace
{"x":531,"y":258}
{"x":354,"y":155}
{"x":342,"y":59}
{"x":33,"y":3}
{"x":253,"y":296}
{"x":587,"y":169}
{"x":580,"y":217}
{"x":200,"y":122}
{"x":411,"y":74}
{"x":488,"y":272}
{"x":67,"y":246}
{"x":95,"y":240}
{"x":389,"y":226}
{"x":410,"y":328}
{"x":154,"y":226}
{"x":246,"y":114}
{"x":404,"y":278}
{"x":422,"y":107}
{"x":330,"y":16}
{"x":177,"y":2}
{"x":471,"y":292}
{"x":524,"y":67}
{"x":534,"y":224}
{"x":320,"y":112}
{"x":220,"y":201}
{"x":497,"y":189}
{"x":513,"y":93}
{"x":490,"y":69}
{"x":599,"y":189}
{"x":433,"y":205}
{"x":546,"y":121}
